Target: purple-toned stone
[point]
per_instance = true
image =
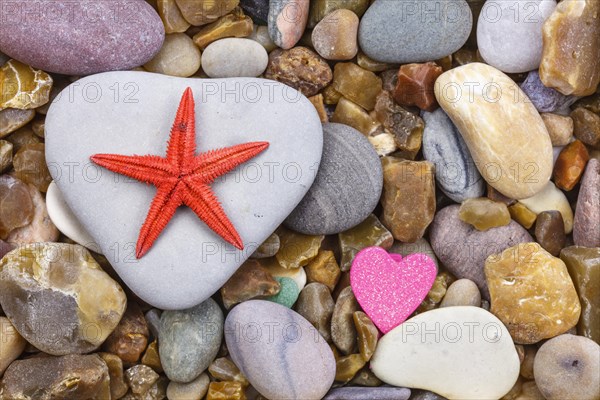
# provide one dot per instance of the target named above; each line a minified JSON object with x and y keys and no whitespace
{"x":5,"y":248}
{"x":463,"y":249}
{"x":586,"y":225}
{"x":545,"y":99}
{"x":80,"y":37}
{"x":368,"y":393}
{"x":258,"y":10}
{"x":280,"y":353}
{"x":287,"y":21}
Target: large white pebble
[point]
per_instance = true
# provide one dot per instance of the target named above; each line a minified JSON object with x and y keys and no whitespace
{"x":234,"y":57}
{"x":458,"y":352}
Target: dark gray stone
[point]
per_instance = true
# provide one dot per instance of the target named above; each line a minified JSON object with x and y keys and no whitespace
{"x":258,"y":10}
{"x":347,"y":187}
{"x":190,"y":340}
{"x":425,"y":395}
{"x":545,"y":99}
{"x":409,"y":31}
{"x":463,"y":249}
{"x":279,"y":351}
{"x":368,"y":393}
{"x":455,"y":170}
{"x":81,"y":37}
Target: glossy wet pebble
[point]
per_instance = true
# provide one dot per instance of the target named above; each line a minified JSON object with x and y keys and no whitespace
{"x":249,"y":58}
{"x":76,"y":33}
{"x":270,"y":344}
{"x":486,"y":358}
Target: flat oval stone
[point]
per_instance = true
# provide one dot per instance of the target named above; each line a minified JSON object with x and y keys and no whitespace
{"x":463,"y":249}
{"x":287,"y":20}
{"x":233,"y":57}
{"x":368,"y":393}
{"x":412,"y":31}
{"x":455,"y":171}
{"x":178,"y":56}
{"x":72,"y":304}
{"x":189,"y":262}
{"x":189,"y":340}
{"x":440,"y":350}
{"x":504,"y":132}
{"x":509,"y":34}
{"x":280,"y":352}
{"x":587,"y":213}
{"x":85,"y":37}
{"x":347,"y":187}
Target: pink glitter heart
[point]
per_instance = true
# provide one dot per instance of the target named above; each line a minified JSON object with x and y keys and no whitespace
{"x":388,"y":287}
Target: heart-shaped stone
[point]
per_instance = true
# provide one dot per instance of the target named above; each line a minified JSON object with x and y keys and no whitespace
{"x":388,"y":287}
{"x":132,"y":113}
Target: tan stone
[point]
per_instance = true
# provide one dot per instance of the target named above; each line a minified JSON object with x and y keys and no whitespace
{"x":357,"y":84}
{"x":351,"y":114}
{"x":531,"y":293}
{"x":335,"y":36}
{"x":200,"y":12}
{"x":178,"y":56}
{"x":171,"y":16}
{"x":560,"y":128}
{"x":323,"y":269}
{"x":12,"y":344}
{"x":251,"y":280}
{"x":504,"y":132}
{"x":297,"y":249}
{"x":571,"y":56}
{"x":231,"y":25}
{"x":317,"y":101}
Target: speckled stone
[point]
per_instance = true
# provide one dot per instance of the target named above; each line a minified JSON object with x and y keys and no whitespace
{"x":545,"y":99}
{"x":189,"y":340}
{"x":455,"y":171}
{"x":367,"y":393}
{"x":347,"y":186}
{"x":279,"y":351}
{"x":509,"y":34}
{"x":250,"y":58}
{"x":568,"y":367}
{"x":586,"y":229}
{"x":287,"y":20}
{"x":463,"y":249}
{"x":288,"y":292}
{"x":410,"y":31}
{"x":257,"y":9}
{"x":12,"y":119}
{"x":74,"y":30}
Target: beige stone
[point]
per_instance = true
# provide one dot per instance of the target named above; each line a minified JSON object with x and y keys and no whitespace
{"x":560,"y":128}
{"x":335,"y":36}
{"x":551,"y":198}
{"x":504,"y":132}
{"x":178,"y":56}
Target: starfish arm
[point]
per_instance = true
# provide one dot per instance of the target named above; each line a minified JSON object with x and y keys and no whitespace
{"x":202,"y":200}
{"x":212,"y":164}
{"x":149,"y":169}
{"x":161,"y":211}
{"x":182,"y":140}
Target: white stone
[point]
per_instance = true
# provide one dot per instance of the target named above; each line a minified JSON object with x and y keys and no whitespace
{"x":64,"y":219}
{"x":188,"y":262}
{"x":234,"y":57}
{"x":460,"y":352}
{"x":551,"y":198}
{"x":509,"y":33}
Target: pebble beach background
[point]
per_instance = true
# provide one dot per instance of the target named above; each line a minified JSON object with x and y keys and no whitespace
{"x":445,"y":246}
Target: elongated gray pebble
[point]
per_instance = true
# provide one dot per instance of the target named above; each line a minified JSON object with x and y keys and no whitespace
{"x":368,"y":393}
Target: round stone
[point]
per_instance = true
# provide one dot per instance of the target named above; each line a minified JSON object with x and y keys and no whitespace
{"x":509,"y":34}
{"x":279,"y":351}
{"x":462,"y":292}
{"x":568,"y":367}
{"x":194,"y":390}
{"x":335,"y":36}
{"x":409,"y":32}
{"x":178,"y":56}
{"x":189,"y":340}
{"x":233,"y":57}
{"x":81,"y":38}
{"x":347,"y":187}
{"x":288,"y":292}
{"x":72,"y":305}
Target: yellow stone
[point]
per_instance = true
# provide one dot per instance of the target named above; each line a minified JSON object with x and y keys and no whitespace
{"x":351,"y":114}
{"x":368,"y":334}
{"x":531,"y":293}
{"x":151,"y":357}
{"x":357,"y":84}
{"x":370,"y":232}
{"x":200,"y":12}
{"x":484,"y":213}
{"x":571,"y":55}
{"x":346,"y":367}
{"x":523,"y":215}
{"x":504,"y":132}
{"x":232,"y":25}
{"x":23,"y":87}
{"x":224,"y":369}
{"x":366,"y":62}
{"x":323,"y":269}
{"x":297,"y":249}
{"x":229,"y":390}
{"x":171,"y":16}
{"x":331,"y":96}
{"x":317,"y":101}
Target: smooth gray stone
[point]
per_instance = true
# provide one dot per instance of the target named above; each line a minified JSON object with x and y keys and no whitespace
{"x":347,"y":187}
{"x":425,"y":395}
{"x":80,"y":37}
{"x":463,"y":249}
{"x":455,"y":170}
{"x":281,"y":353}
{"x":188,"y":262}
{"x":410,"y":31}
{"x":368,"y":393}
{"x":190,"y":340}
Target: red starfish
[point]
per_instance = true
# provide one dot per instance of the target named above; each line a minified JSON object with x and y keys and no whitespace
{"x":183,"y":178}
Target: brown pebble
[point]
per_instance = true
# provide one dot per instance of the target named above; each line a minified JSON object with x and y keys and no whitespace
{"x":251,"y":280}
{"x":130,"y":337}
{"x":346,"y":367}
{"x":368,"y":334}
{"x":316,"y":305}
{"x":527,"y":364}
{"x":317,"y":101}
{"x":587,"y":126}
{"x":335,"y":36}
{"x":550,"y":231}
{"x":570,"y":165}
{"x":229,"y":390}
{"x":118,"y":387}
{"x":357,"y":84}
{"x":343,"y":331}
{"x":415,"y":85}
{"x":323,"y":269}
